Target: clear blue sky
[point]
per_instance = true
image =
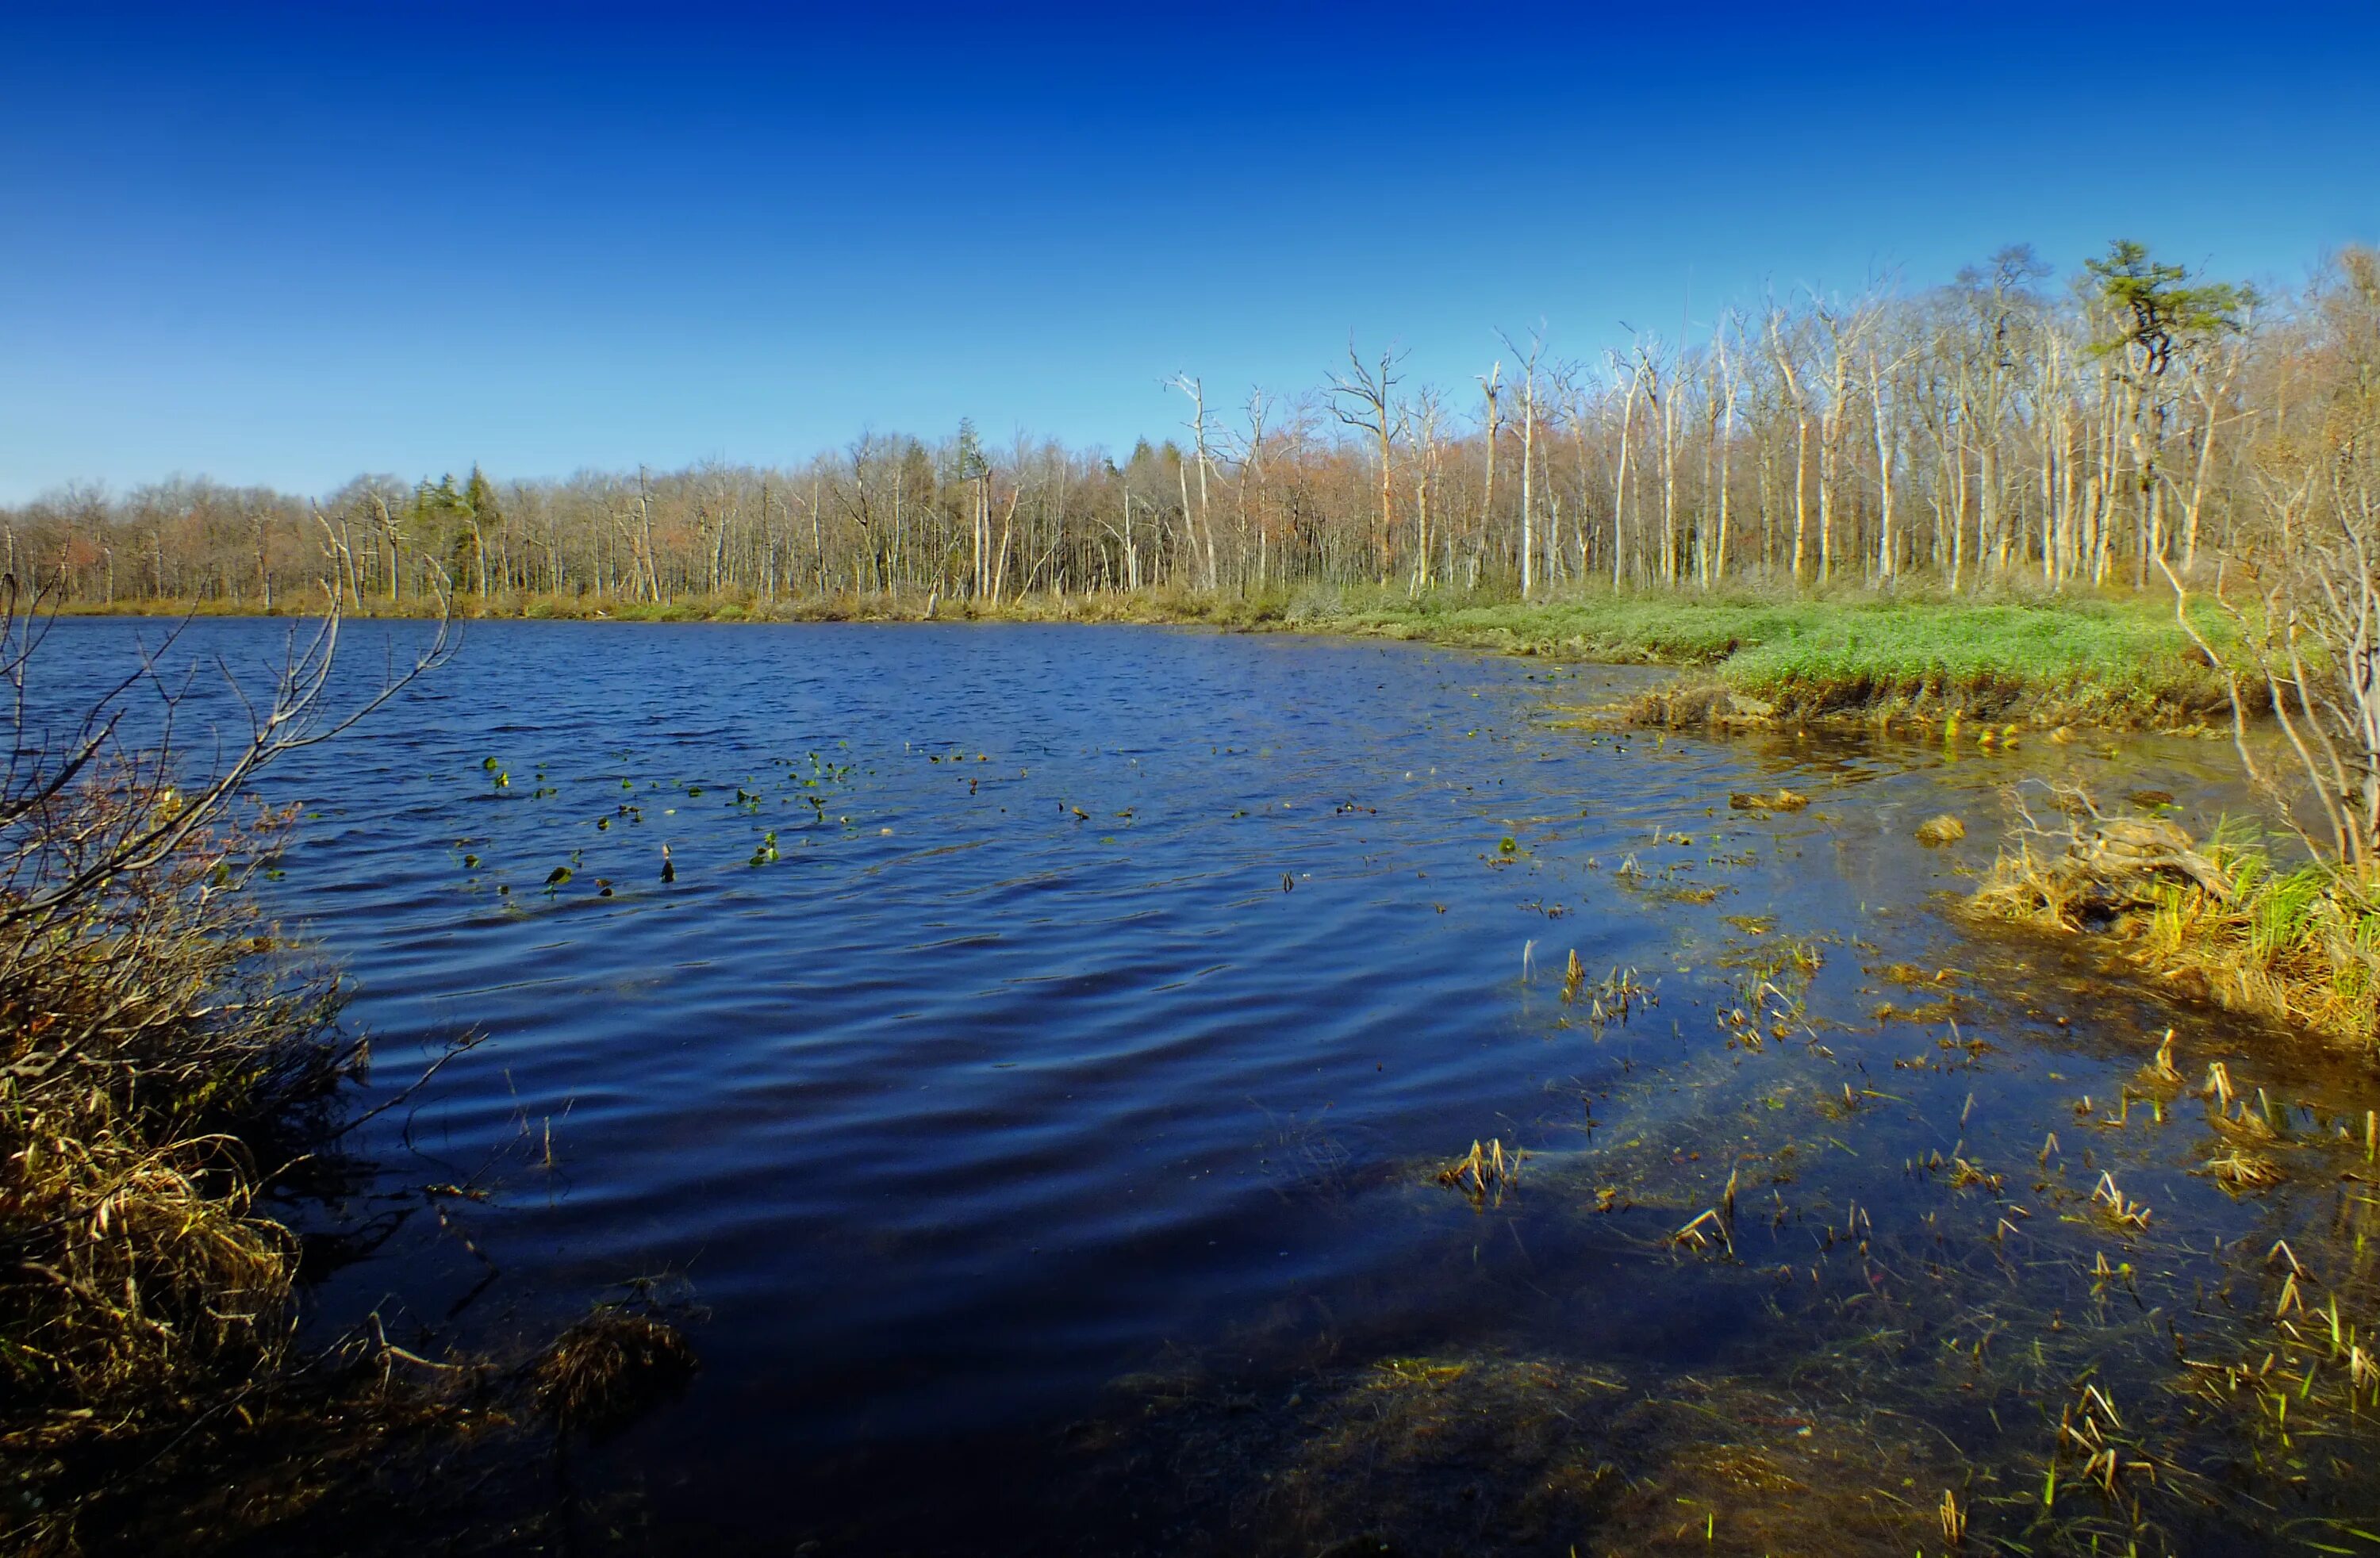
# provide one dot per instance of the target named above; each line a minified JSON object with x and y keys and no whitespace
{"x":284,"y":244}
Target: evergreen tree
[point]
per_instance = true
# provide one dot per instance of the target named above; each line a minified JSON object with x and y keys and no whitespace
{"x":2155,"y":308}
{"x":479,"y":499}
{"x":969,"y":456}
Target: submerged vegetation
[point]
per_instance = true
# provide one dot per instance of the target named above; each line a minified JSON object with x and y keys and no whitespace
{"x":1921,"y":1334}
{"x":610,"y":1367}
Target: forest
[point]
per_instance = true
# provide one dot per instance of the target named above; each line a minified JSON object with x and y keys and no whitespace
{"x":2008,"y":429}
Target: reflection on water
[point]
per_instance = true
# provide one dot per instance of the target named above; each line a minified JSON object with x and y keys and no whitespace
{"x":1044,"y":1058}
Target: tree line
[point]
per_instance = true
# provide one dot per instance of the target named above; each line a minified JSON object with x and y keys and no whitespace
{"x":2005,"y":429}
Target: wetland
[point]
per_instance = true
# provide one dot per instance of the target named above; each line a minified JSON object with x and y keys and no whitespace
{"x":1131,"y":1089}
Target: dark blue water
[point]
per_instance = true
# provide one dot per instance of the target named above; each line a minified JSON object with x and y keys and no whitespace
{"x":1040,"y":1012}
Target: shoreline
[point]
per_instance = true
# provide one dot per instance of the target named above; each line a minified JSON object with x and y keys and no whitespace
{"x":2114,"y":664}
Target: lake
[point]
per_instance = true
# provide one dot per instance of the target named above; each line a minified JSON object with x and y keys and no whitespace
{"x":1041,"y":1066}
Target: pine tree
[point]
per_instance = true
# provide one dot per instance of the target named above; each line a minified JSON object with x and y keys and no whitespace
{"x":2156,"y":310}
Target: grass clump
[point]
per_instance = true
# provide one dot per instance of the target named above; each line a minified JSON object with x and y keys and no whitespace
{"x":172,"y":1073}
{"x":611,"y":1368}
{"x":165,"y":1067}
{"x":1934,"y":832}
{"x":2080,"y":662}
{"x":2225,"y":922}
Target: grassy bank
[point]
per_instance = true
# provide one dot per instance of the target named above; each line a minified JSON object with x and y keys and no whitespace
{"x":2120,"y":662}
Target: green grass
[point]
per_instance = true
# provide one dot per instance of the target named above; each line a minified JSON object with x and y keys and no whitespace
{"x":2104,"y":658}
{"x":2110,"y":661}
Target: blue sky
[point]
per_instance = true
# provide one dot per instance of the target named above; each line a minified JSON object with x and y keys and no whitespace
{"x":284,"y":244}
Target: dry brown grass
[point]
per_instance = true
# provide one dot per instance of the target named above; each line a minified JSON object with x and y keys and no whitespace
{"x":610,"y":1369}
{"x":166,"y":1062}
{"x":170,"y":1068}
{"x":2222,"y":922}
{"x":1936,"y":832}
{"x":163,"y":1060}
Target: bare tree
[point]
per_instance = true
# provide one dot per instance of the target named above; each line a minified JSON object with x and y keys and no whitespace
{"x":2301,"y":595}
{"x":1363,"y":397}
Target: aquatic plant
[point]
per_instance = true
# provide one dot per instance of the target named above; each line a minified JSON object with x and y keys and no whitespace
{"x":2224,"y":921}
{"x":1778,"y":800}
{"x":1937,"y":830}
{"x":1483,"y":1175}
{"x":610,"y":1367}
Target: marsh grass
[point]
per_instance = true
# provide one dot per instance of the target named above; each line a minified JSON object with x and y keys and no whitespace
{"x":611,"y":1368}
{"x":2070,"y":660}
{"x":168,"y":1065}
{"x":2296,"y":943}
